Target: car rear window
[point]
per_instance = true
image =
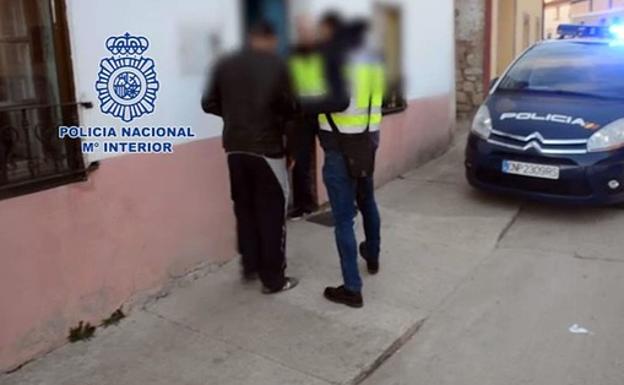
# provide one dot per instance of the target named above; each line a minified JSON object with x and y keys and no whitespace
{"x":578,"y":67}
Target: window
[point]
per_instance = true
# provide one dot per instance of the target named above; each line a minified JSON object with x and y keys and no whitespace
{"x":387,"y":24}
{"x":36,"y":96}
{"x":592,"y":69}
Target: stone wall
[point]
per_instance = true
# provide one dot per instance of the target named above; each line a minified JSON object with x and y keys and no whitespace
{"x":469,"y":48}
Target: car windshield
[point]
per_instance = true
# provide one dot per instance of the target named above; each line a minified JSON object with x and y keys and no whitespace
{"x":583,"y":68}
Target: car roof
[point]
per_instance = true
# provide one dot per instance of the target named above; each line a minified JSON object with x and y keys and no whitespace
{"x":585,"y":40}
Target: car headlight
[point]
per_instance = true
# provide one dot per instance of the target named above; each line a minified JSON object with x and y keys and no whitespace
{"x":608,"y":138}
{"x":482,"y":123}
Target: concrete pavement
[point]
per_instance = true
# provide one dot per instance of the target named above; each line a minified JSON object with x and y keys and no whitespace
{"x":473,"y":290}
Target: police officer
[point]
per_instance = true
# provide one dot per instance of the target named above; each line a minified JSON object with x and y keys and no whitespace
{"x":350,"y":139}
{"x":307,"y":71}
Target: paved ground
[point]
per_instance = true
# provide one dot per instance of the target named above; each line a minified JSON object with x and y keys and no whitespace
{"x":475,"y":290}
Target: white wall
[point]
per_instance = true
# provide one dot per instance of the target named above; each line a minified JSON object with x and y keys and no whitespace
{"x":179,"y":35}
{"x":428,"y":38}
{"x":429,"y":47}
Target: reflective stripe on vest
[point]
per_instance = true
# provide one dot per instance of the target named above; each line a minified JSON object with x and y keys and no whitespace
{"x":367,"y":86}
{"x":308,"y":76}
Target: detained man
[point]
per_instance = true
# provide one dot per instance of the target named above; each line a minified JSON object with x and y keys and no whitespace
{"x":251,"y":91}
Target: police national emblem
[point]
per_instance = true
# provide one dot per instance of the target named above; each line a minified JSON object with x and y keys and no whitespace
{"x":127,"y":83}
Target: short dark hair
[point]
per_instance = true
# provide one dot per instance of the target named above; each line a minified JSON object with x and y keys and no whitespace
{"x":333,"y":19}
{"x":359,"y":26}
{"x":262,"y":28}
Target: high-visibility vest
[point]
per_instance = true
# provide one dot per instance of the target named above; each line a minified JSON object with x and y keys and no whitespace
{"x":365,"y":79}
{"x":308,"y":74}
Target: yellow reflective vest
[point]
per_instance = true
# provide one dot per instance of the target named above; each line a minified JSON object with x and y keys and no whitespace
{"x":308,"y":74}
{"x":365,"y":80}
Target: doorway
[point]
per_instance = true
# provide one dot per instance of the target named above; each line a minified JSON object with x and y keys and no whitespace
{"x":273,"y":11}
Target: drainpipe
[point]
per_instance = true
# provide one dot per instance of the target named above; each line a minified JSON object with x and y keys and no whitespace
{"x":487,"y":49}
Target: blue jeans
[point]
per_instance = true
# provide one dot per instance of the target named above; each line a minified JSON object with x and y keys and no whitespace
{"x":344,"y":193}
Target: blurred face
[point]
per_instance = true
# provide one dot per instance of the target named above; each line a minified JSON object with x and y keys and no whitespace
{"x":305,"y":30}
{"x":326,"y":32}
{"x":263,"y":43}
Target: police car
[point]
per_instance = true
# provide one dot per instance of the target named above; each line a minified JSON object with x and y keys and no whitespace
{"x":552,"y":127}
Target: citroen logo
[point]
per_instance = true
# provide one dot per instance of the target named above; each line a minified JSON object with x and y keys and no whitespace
{"x":535,"y":136}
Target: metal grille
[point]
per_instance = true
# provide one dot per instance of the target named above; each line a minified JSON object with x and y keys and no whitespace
{"x":31,"y":153}
{"x":538,"y":143}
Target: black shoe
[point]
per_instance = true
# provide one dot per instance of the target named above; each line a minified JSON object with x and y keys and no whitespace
{"x":373,"y":267}
{"x":342,"y":295}
{"x":298,"y":214}
{"x":291,"y":283}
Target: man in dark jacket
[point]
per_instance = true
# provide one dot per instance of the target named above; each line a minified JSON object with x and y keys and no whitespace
{"x":251,"y":91}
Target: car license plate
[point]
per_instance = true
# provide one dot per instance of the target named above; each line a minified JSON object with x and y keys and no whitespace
{"x":531,"y":169}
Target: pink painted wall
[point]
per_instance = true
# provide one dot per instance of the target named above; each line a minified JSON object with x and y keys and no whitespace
{"x":408,"y":139}
{"x":80,"y":251}
{"x":414,"y":136}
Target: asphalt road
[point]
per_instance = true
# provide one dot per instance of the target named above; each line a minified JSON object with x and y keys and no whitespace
{"x":545,"y":305}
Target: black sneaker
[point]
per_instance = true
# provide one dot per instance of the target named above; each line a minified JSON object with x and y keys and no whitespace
{"x":344,"y":296}
{"x":373,"y":267}
{"x":291,"y":283}
{"x":298,"y":214}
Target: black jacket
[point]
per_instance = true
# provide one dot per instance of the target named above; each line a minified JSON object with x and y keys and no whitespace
{"x":251,"y":91}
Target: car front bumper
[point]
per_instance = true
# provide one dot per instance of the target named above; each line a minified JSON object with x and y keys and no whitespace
{"x":584,"y":179}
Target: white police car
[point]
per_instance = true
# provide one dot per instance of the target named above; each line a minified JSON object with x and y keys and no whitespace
{"x":552,"y":127}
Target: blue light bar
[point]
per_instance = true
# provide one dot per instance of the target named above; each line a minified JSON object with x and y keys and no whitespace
{"x":573,"y":30}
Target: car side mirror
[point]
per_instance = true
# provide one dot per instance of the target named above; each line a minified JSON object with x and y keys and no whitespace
{"x":493,"y":82}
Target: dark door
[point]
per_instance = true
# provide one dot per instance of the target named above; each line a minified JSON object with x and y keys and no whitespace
{"x":273,"y":11}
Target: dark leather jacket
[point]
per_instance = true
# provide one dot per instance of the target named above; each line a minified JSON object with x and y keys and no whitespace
{"x":251,"y":91}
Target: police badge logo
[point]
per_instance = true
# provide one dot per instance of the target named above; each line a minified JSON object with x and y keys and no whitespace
{"x":127,"y":83}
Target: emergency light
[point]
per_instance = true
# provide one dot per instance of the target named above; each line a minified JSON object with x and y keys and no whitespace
{"x":617,"y":31}
{"x":574,"y":30}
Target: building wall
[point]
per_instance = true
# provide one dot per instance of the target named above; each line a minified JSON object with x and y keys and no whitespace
{"x":469,"y":51}
{"x":580,"y":7}
{"x":556,"y":13}
{"x":512,"y":26}
{"x":182,"y":49}
{"x":516,"y":25}
{"x":590,"y":6}
{"x":503,"y":30}
{"x":601,"y":5}
{"x":80,"y":251}
{"x":598,"y":12}
{"x":529,"y":26}
{"x":434,"y":74}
